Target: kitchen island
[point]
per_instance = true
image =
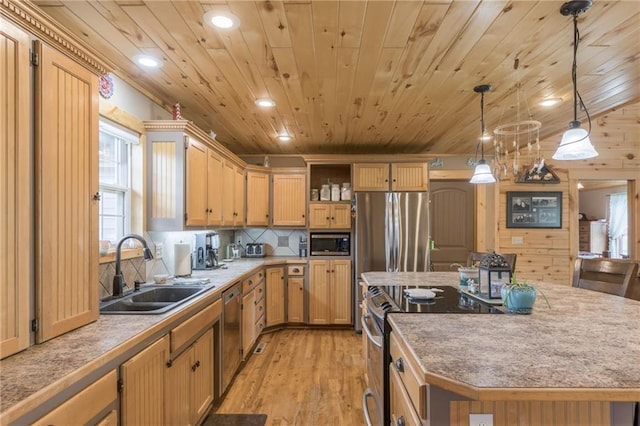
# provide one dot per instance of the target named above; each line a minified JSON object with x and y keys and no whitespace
{"x":578,"y":355}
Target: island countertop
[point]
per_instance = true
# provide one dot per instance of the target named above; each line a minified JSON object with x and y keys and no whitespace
{"x":585,"y":347}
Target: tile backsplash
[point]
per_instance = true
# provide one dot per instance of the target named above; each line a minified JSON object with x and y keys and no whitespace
{"x":278,"y":242}
{"x":132,"y":270}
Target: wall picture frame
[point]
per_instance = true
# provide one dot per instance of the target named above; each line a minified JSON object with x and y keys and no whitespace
{"x":534,"y":209}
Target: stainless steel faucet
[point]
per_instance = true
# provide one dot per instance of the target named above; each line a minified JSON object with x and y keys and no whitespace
{"x":118,"y":279}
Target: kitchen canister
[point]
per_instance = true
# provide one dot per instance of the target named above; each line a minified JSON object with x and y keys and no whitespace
{"x":315,"y":194}
{"x":325,"y":193}
{"x":335,"y":192}
{"x":345,"y":192}
{"x":182,"y":258}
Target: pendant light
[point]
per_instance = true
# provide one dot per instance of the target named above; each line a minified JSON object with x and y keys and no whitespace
{"x":482,"y":173}
{"x":575,"y":143}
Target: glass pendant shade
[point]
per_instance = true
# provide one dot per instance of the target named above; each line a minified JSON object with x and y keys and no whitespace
{"x":482,"y":173}
{"x":575,"y":145}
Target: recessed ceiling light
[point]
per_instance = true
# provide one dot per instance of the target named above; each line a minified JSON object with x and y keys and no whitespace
{"x":148,"y":61}
{"x":265,"y":102}
{"x":221,"y":19}
{"x":284,"y":137}
{"x":550,"y":102}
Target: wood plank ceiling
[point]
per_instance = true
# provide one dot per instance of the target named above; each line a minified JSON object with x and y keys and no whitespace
{"x":364,"y":76}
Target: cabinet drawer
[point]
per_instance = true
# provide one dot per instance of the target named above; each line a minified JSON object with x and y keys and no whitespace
{"x":260,"y":325}
{"x":87,"y":404}
{"x":260,"y":292}
{"x":188,"y":330}
{"x":252,"y":282}
{"x":403,"y":364}
{"x":402,"y":411}
{"x":295,"y":270}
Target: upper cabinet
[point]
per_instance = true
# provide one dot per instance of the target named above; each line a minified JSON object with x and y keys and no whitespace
{"x":192,"y":182}
{"x":289,"y":200}
{"x":323,"y":215}
{"x":390,"y":177}
{"x":15,"y":189}
{"x":257,"y":198}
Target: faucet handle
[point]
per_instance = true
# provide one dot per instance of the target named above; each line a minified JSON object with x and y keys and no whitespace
{"x":136,"y":285}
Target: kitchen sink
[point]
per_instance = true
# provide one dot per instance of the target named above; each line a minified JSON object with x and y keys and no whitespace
{"x":151,"y":300}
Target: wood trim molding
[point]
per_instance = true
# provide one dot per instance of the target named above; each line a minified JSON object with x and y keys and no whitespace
{"x":30,"y":18}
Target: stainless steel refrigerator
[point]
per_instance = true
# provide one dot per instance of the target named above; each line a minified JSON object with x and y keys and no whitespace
{"x":392,"y":234}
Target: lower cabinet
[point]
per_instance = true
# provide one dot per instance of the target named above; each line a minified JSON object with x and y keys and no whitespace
{"x":86,"y":405}
{"x":330,"y":291}
{"x":275,"y":296}
{"x":295,"y":299}
{"x":253,"y":290}
{"x":189,"y":383}
{"x":143,"y":385}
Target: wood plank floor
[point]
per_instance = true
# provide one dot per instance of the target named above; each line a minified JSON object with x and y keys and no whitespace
{"x":303,"y":377}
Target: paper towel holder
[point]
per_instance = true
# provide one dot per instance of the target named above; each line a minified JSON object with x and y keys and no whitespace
{"x":182,"y":258}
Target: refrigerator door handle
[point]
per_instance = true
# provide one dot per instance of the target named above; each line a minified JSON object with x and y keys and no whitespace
{"x":388,"y":233}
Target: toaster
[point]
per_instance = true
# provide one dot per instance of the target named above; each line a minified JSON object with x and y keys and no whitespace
{"x":255,"y":250}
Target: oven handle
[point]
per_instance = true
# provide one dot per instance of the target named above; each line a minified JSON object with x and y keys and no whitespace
{"x":365,"y":327}
{"x":365,"y":406}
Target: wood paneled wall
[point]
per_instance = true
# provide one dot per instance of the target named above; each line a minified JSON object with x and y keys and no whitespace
{"x":548,"y":254}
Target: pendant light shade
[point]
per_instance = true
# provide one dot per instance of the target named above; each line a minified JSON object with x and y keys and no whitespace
{"x":482,"y":172}
{"x":575,"y":143}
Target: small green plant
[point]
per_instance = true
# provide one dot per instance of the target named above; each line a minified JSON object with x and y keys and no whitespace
{"x":514,"y":283}
{"x":457,"y":265}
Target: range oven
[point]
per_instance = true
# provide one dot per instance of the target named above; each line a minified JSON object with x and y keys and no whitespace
{"x":330,"y":244}
{"x":379,"y":301}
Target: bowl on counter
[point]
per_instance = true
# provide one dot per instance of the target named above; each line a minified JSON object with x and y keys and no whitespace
{"x":162,"y":278}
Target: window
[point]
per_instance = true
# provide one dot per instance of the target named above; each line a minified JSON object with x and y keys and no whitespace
{"x":114,"y":180}
{"x":618,"y":232}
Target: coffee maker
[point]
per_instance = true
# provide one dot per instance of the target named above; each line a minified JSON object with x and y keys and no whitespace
{"x":205,"y":253}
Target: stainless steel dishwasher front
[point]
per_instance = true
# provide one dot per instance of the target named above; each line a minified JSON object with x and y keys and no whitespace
{"x":231,"y":343}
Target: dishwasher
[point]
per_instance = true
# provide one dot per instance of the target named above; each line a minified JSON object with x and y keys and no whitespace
{"x":231,"y":343}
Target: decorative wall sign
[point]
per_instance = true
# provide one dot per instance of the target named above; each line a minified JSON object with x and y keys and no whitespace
{"x":534,"y":209}
{"x":538,"y":173}
{"x":105,"y":86}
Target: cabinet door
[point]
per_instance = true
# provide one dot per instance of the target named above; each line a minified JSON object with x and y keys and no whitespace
{"x":15,"y":189}
{"x":319,"y":274}
{"x":275,"y":296}
{"x":319,"y":215}
{"x":295,"y":300}
{"x":248,"y":321}
{"x":238,"y":197}
{"x":203,"y":376}
{"x":179,"y":389}
{"x":340,"y":292}
{"x":66,"y":165}
{"x":214,"y":190}
{"x":228,"y":191}
{"x":401,"y":406}
{"x":289,"y":200}
{"x":371,"y":177}
{"x":341,"y":216}
{"x":197,"y":205}
{"x":86,"y":404}
{"x":409,"y":177}
{"x":257,"y":199}
{"x":142,"y":398}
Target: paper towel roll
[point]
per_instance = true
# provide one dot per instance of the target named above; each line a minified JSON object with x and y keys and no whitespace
{"x":182,"y":255}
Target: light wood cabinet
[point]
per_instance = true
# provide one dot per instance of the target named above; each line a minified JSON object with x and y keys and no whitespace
{"x":86,"y":405}
{"x":232,"y":195}
{"x":295,"y":299}
{"x":143,"y":385}
{"x":275,"y":297}
{"x":289,"y":200}
{"x":66,"y":165}
{"x":257,"y":198}
{"x":330,"y":297}
{"x":15,"y":190}
{"x":390,"y":177}
{"x":189,"y":383}
{"x":190,"y":180}
{"x":324,"y":215}
{"x":252,"y":310}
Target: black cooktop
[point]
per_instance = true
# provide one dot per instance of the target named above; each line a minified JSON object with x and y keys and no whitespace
{"x":447,"y":300}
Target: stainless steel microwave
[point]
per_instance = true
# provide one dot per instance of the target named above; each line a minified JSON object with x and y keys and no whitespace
{"x":330,"y":244}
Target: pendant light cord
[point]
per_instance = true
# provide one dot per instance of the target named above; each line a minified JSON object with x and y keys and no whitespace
{"x":574,"y":78}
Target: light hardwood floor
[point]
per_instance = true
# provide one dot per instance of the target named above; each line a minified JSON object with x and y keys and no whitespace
{"x":303,"y":377}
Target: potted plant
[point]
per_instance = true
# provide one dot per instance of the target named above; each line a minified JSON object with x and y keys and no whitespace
{"x":518,"y":297}
{"x":468,"y":275}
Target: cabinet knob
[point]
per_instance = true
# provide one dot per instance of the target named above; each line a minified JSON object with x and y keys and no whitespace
{"x":400,"y":365}
{"x":401,"y":421}
{"x":96,"y":196}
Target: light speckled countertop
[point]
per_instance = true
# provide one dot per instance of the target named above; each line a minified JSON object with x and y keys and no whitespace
{"x":587,"y":346}
{"x":34,"y":375}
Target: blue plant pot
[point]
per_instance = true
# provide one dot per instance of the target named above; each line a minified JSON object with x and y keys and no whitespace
{"x":518,"y":300}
